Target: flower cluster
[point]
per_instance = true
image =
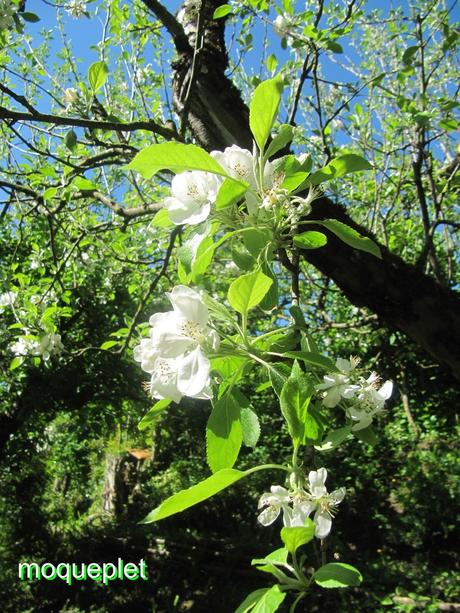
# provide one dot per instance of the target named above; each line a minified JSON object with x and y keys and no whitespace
{"x":70,"y":97}
{"x":366,"y":398}
{"x":7,"y":299}
{"x":297,"y":504}
{"x":44,"y":346}
{"x":194,"y":192}
{"x":76,"y":8}
{"x":174,"y":352}
{"x":284,"y":25}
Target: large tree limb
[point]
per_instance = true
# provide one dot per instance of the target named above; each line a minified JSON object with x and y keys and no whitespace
{"x":399,"y":293}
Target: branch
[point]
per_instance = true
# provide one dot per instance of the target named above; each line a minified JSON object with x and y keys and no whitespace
{"x":150,"y":125}
{"x":122,"y":211}
{"x":174,"y":28}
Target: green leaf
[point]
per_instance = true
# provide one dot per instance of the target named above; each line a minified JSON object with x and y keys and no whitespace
{"x":333,"y":439}
{"x":342,"y":165}
{"x":272,"y":63}
{"x":408,"y":55}
{"x":150,"y":417}
{"x":334,"y":47}
{"x":449,"y":125}
{"x":294,"y":538}
{"x":229,"y":193}
{"x":83,"y":184}
{"x":256,"y":240}
{"x":228,"y":366}
{"x":222,"y":11}
{"x":284,"y":137}
{"x":30,"y":17}
{"x":279,"y":556}
{"x":251,"y":427}
{"x":271,"y":298}
{"x":270,"y":601}
{"x":263,"y":109}
{"x":161,"y":219}
{"x":294,"y":401}
{"x":175,"y":157}
{"x":195,"y":494}
{"x":248,"y":291}
{"x":224,"y":433}
{"x":272,"y":562}
{"x":367,"y":435}
{"x":314,"y":426}
{"x":109,"y":344}
{"x":351,"y":237}
{"x":251,"y":600}
{"x":243,"y":260}
{"x":310,"y":240}
{"x":16,"y":362}
{"x":203,"y":259}
{"x":337,"y":575}
{"x":97,"y":75}
{"x":70,"y":140}
{"x":49,"y":193}
{"x":279,"y":374}
{"x":315,"y":359}
{"x":295,"y":173}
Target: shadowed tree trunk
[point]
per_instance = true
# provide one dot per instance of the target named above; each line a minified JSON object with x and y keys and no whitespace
{"x":402,"y":296}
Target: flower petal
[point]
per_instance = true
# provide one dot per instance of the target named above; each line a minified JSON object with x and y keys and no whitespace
{"x":268,"y":515}
{"x":317,"y":479}
{"x":323,"y":524}
{"x":193,"y":373}
{"x":188,"y":303}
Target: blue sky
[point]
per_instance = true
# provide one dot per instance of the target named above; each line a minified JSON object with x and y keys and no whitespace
{"x":85,"y":33}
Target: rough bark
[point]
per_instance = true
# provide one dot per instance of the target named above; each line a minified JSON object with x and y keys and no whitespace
{"x":398,"y":292}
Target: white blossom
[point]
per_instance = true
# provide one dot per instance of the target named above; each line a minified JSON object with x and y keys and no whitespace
{"x":297,"y":504}
{"x":193,"y":193}
{"x":323,"y":504}
{"x":370,"y":401}
{"x":186,"y":375}
{"x":45,"y":346}
{"x":282,"y":24}
{"x":70,"y":97}
{"x":185,"y":327}
{"x":366,"y":399}
{"x":7,"y":299}
{"x":174,"y":352}
{"x":76,"y":8}
{"x":275,"y":501}
{"x":48,"y":345}
{"x":24,"y":346}
{"x":241,"y":165}
{"x":337,"y":385}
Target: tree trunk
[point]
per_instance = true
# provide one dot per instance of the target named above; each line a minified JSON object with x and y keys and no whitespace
{"x":399,"y":293}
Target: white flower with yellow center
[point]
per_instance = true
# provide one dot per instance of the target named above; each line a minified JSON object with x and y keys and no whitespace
{"x":241,"y":165}
{"x":275,"y":501}
{"x":321,"y":502}
{"x":192,"y":194}
{"x":174,"y":353}
{"x":185,"y":327}
{"x":370,"y":401}
{"x":186,"y":375}
{"x":337,"y":385}
{"x":7,"y":299}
